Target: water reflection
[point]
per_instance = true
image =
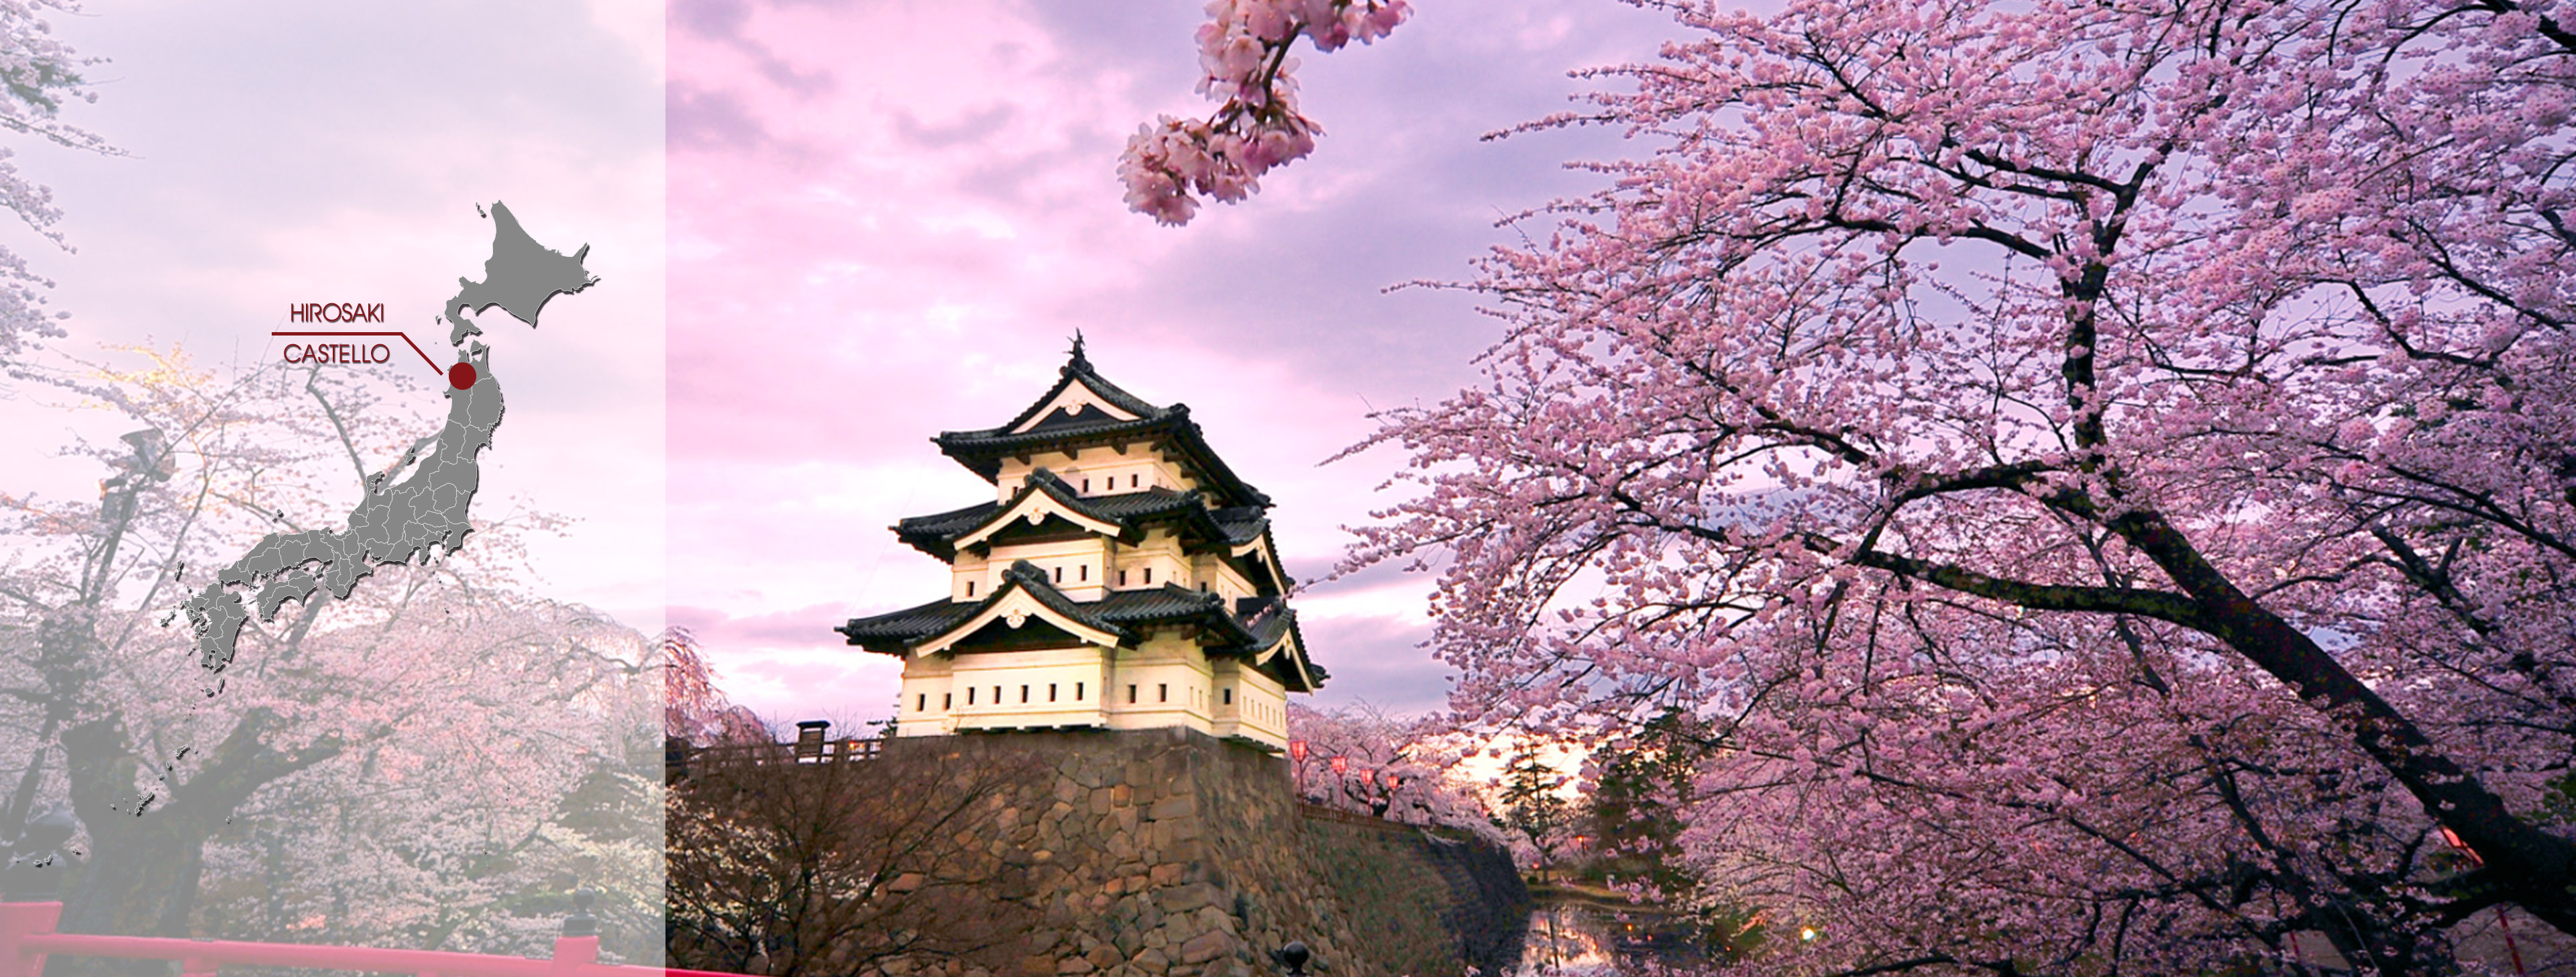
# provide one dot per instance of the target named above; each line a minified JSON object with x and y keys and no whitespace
{"x":1581,"y":940}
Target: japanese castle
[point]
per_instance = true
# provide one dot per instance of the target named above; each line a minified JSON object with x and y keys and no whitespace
{"x":1122,"y":577}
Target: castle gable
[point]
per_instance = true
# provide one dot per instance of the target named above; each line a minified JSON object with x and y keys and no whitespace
{"x":1024,"y":595}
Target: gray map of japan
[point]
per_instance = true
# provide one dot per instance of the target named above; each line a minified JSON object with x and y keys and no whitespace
{"x":397,"y":522}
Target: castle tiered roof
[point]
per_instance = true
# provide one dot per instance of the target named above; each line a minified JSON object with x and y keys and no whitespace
{"x":1125,"y":516}
{"x":1066,"y":419}
{"x":1248,"y":628}
{"x":1056,"y":593}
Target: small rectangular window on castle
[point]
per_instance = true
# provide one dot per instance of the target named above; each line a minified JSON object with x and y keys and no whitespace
{"x":1149,"y":574}
{"x":921,"y":703}
{"x":1059,"y":574}
{"x":1050,"y":692}
{"x":1024,"y":693}
{"x":947,"y":701}
{"x":1163,"y":692}
{"x":1131,"y":695}
{"x":1122,"y":578}
{"x":970,"y":588}
{"x":1077,"y":691}
{"x":1229,"y":697}
{"x":1086,"y":572}
{"x":970,"y":695}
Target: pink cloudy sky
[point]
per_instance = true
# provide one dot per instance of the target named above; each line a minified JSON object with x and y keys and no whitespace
{"x":887,"y":219}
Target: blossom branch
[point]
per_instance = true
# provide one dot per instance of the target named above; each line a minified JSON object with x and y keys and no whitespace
{"x":1243,"y":54}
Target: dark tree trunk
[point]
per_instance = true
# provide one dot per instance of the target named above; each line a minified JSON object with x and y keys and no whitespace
{"x":147,"y":846}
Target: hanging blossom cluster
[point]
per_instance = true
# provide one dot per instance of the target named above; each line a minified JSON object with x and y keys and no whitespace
{"x":1243,"y":54}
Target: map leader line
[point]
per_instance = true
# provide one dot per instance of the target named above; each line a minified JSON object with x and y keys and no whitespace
{"x":415,"y":347}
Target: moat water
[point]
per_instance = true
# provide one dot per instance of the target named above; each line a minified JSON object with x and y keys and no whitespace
{"x":1574,"y":939}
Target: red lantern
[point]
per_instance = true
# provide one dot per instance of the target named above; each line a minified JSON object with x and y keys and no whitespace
{"x":1341,"y":764}
{"x":2461,"y":846}
{"x":1297,"y":750}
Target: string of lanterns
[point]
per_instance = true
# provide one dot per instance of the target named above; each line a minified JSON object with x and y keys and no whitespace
{"x":1298,"y":751}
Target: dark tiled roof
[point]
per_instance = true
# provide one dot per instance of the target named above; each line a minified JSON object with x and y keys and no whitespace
{"x":1270,"y":619}
{"x":949,"y":523}
{"x":896,"y":631}
{"x":982,"y":451}
{"x":1242,"y":523}
{"x":909,"y":624}
{"x":1266,"y":617}
{"x":1162,"y":603}
{"x":1124,"y":506}
{"x":1169,"y":604}
{"x":937,"y":534}
{"x":1078,"y":368}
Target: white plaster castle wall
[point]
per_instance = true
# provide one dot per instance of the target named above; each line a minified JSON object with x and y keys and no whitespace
{"x":1078,"y":567}
{"x":1221,"y":576}
{"x":1260,"y":707}
{"x":1171,"y":684}
{"x":1041,"y":688}
{"x":1101,"y":464}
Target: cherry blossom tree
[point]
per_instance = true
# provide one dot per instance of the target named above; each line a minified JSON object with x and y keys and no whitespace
{"x":695,"y":711}
{"x":41,"y":74}
{"x":502,"y":755}
{"x":1401,"y":770}
{"x":431,"y":761}
{"x":2104,"y":472}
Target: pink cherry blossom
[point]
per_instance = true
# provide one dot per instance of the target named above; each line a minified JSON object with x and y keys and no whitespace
{"x":2105,"y":474}
{"x":1401,"y":770}
{"x":1243,"y":57}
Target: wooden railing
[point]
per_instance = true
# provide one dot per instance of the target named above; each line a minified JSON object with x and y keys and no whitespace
{"x":678,"y":757}
{"x":27,"y":937}
{"x":1318,"y":812}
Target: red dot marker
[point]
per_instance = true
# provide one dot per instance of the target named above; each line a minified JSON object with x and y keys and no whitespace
{"x":461,"y":376}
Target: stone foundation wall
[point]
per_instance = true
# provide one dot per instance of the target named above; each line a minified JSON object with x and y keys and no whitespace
{"x":1167,"y":853}
{"x":1433,"y":902}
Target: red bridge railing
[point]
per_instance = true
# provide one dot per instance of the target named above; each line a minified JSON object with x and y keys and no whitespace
{"x":27,"y":937}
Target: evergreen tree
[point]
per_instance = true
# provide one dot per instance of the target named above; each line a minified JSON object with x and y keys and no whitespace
{"x":1531,"y":804}
{"x":1640,"y":786}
